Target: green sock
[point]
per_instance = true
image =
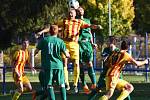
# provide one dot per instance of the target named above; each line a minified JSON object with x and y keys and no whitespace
{"x":82,"y":76}
{"x":63,"y":93}
{"x":51,"y":95}
{"x":91,"y":74}
{"x":16,"y":95}
{"x":44,"y":95}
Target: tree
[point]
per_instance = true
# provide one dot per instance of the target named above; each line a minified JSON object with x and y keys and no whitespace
{"x":23,"y":17}
{"x":142,"y":10}
{"x":122,"y":15}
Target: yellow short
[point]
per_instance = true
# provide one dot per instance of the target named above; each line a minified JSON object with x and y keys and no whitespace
{"x":114,"y":82}
{"x":22,"y":79}
{"x":73,"y":49}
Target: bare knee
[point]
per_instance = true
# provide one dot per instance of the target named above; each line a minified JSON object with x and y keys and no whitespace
{"x":129,"y":87}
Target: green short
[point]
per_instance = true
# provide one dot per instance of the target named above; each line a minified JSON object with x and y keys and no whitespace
{"x":54,"y":75}
{"x":86,"y":52}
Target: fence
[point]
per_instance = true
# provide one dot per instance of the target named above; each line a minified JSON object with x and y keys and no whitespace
{"x":133,"y":50}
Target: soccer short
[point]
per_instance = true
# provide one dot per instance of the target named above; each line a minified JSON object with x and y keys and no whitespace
{"x":86,"y":51}
{"x":54,"y":74}
{"x":22,"y":78}
{"x":115,"y":82}
{"x":73,"y":49}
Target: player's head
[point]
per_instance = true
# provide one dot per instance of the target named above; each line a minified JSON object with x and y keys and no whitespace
{"x":53,"y":29}
{"x":112,"y":42}
{"x":25,"y":43}
{"x":80,"y":11}
{"x":72,"y":13}
{"x":124,"y":45}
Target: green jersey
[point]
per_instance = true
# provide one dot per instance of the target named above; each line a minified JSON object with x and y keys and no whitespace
{"x":51,"y":48}
{"x":86,"y":49}
{"x":86,"y":32}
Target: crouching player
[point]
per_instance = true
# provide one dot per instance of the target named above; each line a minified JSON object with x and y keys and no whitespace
{"x":20,"y":58}
{"x":116,"y":62}
{"x":52,"y":66}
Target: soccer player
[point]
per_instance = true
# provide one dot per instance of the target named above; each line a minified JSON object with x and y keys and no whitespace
{"x":115,"y":63}
{"x":20,"y":58}
{"x":71,"y":36}
{"x":86,"y":52}
{"x":111,"y":46}
{"x":52,"y":66}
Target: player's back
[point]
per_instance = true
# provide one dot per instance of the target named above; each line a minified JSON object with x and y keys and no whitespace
{"x":51,"y":50}
{"x":116,"y":62}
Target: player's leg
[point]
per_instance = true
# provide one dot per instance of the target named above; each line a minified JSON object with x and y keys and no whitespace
{"x":91,"y":74}
{"x":100,"y":84}
{"x":76,"y":75}
{"x":88,"y":58}
{"x":19,"y":84}
{"x":74,"y":54}
{"x":42,"y":92}
{"x":49,"y":76}
{"x":82,"y":74}
{"x":65,"y":61}
{"x":19,"y":91}
{"x":111,"y":83}
{"x":125,"y":87}
{"x":121,"y":77}
{"x":61,"y":83}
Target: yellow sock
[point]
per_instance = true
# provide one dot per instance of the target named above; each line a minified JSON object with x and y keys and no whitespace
{"x":66,"y":75}
{"x":76,"y":75}
{"x":123,"y":95}
{"x":16,"y":95}
{"x":103,"y":98}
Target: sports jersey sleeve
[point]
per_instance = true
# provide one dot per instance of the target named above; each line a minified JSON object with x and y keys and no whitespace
{"x":15,"y":56}
{"x":16,"y":59}
{"x":84,"y":24}
{"x":129,"y":58}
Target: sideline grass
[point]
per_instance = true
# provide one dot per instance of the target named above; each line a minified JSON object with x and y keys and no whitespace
{"x":141,"y":92}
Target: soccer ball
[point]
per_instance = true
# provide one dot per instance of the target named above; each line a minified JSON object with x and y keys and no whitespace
{"x":74,"y":4}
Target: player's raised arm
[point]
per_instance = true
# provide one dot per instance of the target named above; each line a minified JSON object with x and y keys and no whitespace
{"x":42,"y":31}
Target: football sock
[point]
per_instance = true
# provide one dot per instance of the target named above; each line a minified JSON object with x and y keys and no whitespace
{"x":51,"y":95}
{"x":16,"y":95}
{"x":63,"y":93}
{"x":76,"y":74}
{"x":66,"y":75}
{"x":123,"y":95}
{"x":103,"y":98}
{"x":82,"y":76}
{"x":91,"y":74}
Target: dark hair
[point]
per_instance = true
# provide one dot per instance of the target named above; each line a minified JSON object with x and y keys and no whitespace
{"x":124,"y":45}
{"x":24,"y":39}
{"x":112,"y":39}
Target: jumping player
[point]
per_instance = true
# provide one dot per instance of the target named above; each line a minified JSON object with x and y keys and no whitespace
{"x":86,"y":52}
